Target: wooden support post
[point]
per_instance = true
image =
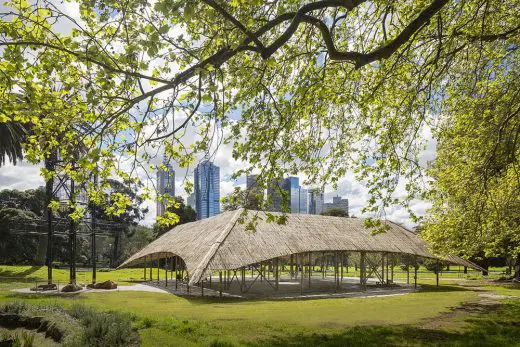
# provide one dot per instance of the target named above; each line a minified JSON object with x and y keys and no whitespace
{"x":408,"y":269}
{"x":187,"y":282}
{"x":291,"y":270}
{"x":382,"y":268}
{"x":310,"y":268}
{"x":243,"y":282}
{"x":387,"y":277}
{"x":158,"y":270}
{"x":151,"y":266}
{"x":176,"y":273}
{"x":336,"y":272}
{"x":220,"y":283}
{"x":362,"y":271}
{"x":144,"y":270}
{"x":342,"y":263}
{"x":276,"y":274}
{"x":392,"y":267}
{"x":166,"y":272}
{"x":202,"y":288}
{"x":415,"y":272}
{"x":322,"y":265}
{"x":301,"y":274}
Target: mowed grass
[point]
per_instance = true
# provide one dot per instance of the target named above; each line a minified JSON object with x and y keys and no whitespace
{"x":434,"y":316}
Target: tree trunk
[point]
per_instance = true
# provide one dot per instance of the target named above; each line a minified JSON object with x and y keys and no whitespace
{"x":485,"y":265}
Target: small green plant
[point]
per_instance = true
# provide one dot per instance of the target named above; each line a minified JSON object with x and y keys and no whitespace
{"x":28,"y":339}
{"x":13,"y":307}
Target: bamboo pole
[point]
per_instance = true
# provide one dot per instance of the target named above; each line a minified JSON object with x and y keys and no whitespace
{"x":310,"y":268}
{"x":220,"y":283}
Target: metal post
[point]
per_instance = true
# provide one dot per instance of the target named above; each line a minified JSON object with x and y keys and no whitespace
{"x":72,"y":236}
{"x":49,"y":194}
{"x":93,"y":227}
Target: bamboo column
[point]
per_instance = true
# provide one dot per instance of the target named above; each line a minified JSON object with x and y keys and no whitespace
{"x":151,"y":266}
{"x":382,"y":268}
{"x":362,"y":270}
{"x":220,"y":283}
{"x":301,"y":274}
{"x":291,"y":270}
{"x":407,"y":269}
{"x":415,"y":270}
{"x":310,"y":268}
{"x":276,"y":274}
{"x":166,"y":272}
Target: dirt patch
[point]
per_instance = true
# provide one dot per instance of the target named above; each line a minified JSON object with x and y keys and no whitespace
{"x":455,"y":318}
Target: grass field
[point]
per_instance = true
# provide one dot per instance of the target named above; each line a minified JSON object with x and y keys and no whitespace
{"x":453,"y":314}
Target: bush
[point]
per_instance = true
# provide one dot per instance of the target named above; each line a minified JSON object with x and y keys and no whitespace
{"x":14,"y":307}
{"x":104,"y":328}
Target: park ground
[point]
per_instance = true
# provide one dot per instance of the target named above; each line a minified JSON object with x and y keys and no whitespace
{"x":465,"y":310}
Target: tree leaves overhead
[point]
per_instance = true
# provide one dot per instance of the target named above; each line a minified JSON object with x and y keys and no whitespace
{"x":319,"y":88}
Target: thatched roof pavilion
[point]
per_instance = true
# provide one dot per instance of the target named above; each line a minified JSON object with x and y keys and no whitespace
{"x":222,"y":242}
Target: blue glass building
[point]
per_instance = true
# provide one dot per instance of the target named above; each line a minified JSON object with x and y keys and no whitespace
{"x":296,"y":194}
{"x":207,"y":189}
{"x":165,"y":184}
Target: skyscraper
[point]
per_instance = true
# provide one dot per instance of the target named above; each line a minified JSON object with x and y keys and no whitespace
{"x":274,"y":192}
{"x":296,"y":194}
{"x":165,"y":184}
{"x":315,"y":201}
{"x":207,"y":189}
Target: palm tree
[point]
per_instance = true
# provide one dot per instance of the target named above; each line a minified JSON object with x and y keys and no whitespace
{"x":12,"y":136}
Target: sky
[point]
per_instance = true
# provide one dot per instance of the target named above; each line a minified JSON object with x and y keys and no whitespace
{"x":26,"y":176}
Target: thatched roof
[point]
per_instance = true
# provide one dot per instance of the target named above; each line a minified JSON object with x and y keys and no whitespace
{"x":222,"y":243}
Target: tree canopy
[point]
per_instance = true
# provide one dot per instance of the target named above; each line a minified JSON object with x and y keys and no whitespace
{"x":313,"y":87}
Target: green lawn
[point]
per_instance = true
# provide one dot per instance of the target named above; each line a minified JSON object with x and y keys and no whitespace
{"x":448,"y":315}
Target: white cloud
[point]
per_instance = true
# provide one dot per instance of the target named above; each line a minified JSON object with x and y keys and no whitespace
{"x":21,"y":176}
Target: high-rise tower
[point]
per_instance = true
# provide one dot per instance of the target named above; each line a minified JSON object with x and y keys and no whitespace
{"x":165,"y":184}
{"x":207,"y":189}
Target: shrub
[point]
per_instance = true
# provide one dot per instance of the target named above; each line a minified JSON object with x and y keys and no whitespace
{"x":14,"y":307}
{"x":104,"y":328}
